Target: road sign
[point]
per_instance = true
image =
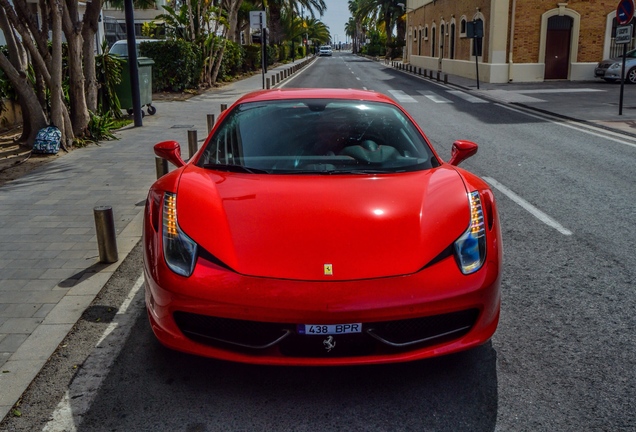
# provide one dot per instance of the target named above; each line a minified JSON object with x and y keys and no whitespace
{"x":625,"y":11}
{"x":623,"y":34}
{"x":258,"y":19}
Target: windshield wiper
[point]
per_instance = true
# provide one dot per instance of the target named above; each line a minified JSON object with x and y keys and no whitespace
{"x":234,"y":168}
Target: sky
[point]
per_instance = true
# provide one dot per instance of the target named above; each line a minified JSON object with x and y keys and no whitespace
{"x":335,"y":17}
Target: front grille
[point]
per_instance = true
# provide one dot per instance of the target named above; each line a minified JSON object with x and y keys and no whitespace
{"x":213,"y":330}
{"x":376,"y":338}
{"x":419,"y":330}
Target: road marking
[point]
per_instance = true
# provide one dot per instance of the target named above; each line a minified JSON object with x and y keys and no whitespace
{"x":467,"y":97}
{"x":436,"y":98}
{"x":402,"y":97}
{"x":616,"y":137}
{"x":548,"y":91}
{"x":81,"y":393}
{"x":529,"y":207}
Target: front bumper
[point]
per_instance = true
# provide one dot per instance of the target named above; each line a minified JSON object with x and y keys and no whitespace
{"x":213,"y":298}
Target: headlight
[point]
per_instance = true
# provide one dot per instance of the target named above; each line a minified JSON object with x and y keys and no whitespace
{"x":615,"y":66}
{"x":179,"y":250}
{"x":470,"y":248}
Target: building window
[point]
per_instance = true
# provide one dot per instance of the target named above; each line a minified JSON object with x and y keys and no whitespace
{"x":452,"y":42}
{"x":477,"y":45}
{"x":462,"y":27}
{"x":426,"y":33}
{"x":434,"y":42}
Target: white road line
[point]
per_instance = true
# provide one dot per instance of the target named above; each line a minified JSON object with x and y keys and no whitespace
{"x":79,"y":397}
{"x":585,"y":128}
{"x":402,"y":97}
{"x":548,"y":91}
{"x":438,"y":99}
{"x":528,"y":207}
{"x":467,"y":97}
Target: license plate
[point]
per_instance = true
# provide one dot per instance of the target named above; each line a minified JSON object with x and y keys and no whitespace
{"x":329,"y":329}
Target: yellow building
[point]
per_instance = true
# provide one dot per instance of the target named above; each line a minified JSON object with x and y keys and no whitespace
{"x":523,"y":40}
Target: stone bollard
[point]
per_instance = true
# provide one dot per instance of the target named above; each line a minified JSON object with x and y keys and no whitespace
{"x":106,"y":238}
{"x":193,"y":146}
{"x":161,"y":165}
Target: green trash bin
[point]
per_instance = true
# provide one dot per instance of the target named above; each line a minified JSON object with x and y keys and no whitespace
{"x":124,"y":89}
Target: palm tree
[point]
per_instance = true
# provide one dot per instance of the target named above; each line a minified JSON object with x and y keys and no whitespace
{"x":386,"y":12}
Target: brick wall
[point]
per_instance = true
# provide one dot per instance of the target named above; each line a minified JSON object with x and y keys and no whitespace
{"x":527,"y":26}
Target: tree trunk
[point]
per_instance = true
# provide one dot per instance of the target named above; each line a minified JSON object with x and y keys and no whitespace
{"x":32,"y":114}
{"x":89,"y":30}
{"x":72,"y":28}
{"x":218,"y":59}
{"x":57,"y":116}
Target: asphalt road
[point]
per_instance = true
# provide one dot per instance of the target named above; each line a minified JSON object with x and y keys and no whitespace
{"x":563,"y":357}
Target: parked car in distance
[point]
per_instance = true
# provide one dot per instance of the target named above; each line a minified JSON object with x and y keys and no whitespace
{"x":320,"y":227}
{"x":610,"y":69}
{"x":120,"y":48}
{"x":325,"y":50}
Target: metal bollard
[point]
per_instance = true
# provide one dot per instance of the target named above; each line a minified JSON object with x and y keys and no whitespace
{"x":106,"y":238}
{"x":193,"y":146}
{"x":445,"y":78}
{"x":223,"y":107}
{"x":161,"y":166}
{"x":267,"y":83}
{"x":438,"y":75}
{"x":210,"y":119}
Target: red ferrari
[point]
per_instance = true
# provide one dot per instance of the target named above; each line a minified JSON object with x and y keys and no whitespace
{"x":319,"y":227}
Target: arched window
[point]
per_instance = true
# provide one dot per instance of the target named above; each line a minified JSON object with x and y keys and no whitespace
{"x":477,"y":43}
{"x":433,"y":42}
{"x":451,"y":53}
{"x":462,"y":27}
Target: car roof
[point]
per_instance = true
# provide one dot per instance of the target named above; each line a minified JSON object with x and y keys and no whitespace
{"x":322,"y":93}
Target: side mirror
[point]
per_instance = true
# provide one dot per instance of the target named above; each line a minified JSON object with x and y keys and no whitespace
{"x":461,"y":151}
{"x":170,"y":151}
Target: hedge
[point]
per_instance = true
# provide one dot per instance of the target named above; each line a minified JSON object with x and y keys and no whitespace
{"x":178,"y":64}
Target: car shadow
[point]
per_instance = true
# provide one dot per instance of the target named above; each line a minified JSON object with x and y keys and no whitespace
{"x":456,"y":392}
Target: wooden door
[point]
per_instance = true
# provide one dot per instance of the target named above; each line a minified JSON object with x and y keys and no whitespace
{"x":557,"y":47}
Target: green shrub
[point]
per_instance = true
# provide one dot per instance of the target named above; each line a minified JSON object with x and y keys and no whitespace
{"x":178,"y":64}
{"x":273,"y":54}
{"x":232,"y":62}
{"x":252,"y":59}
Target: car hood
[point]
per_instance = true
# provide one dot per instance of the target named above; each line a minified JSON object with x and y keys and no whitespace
{"x":329,"y":227}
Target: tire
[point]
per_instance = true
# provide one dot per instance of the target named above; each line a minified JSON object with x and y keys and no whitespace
{"x":130,"y":111}
{"x":152,"y":110}
{"x":631,"y":76}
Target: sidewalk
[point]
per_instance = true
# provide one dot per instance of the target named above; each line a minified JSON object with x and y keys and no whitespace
{"x":49,"y":261}
{"x":49,"y":270}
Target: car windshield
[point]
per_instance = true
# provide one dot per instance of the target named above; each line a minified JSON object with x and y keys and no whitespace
{"x":316,"y":136}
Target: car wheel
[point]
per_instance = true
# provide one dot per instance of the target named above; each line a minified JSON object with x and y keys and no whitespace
{"x":631,"y":76}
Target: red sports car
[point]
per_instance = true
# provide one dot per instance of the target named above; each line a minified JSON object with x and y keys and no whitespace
{"x":319,"y":227}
